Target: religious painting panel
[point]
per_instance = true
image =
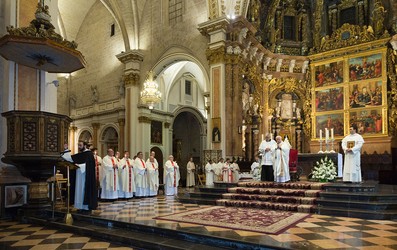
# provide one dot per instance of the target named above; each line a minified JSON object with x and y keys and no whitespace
{"x":15,"y":196}
{"x":156,"y":131}
{"x":368,"y":121}
{"x":335,"y":121}
{"x":365,"y":67}
{"x":365,"y":94}
{"x":216,"y":130}
{"x":329,"y":99}
{"x":328,"y":74}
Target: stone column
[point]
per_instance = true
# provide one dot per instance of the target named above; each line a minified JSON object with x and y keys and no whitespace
{"x":122,"y":135}
{"x":132,"y":60}
{"x":95,"y":128}
{"x":72,"y":140}
{"x":216,"y":31}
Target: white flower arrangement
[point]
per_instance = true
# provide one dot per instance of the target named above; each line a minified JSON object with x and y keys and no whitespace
{"x":324,"y":170}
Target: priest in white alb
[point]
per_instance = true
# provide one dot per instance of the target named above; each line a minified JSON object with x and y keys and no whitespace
{"x":191,"y":168}
{"x":110,"y":182}
{"x":141,"y":176}
{"x":172,"y":176}
{"x":227,"y":171}
{"x":281,"y":160}
{"x":209,"y":173}
{"x":127,"y":177}
{"x":98,"y":170}
{"x":352,"y":145}
{"x":153,"y":175}
{"x":235,"y":170}
{"x":266,"y":151}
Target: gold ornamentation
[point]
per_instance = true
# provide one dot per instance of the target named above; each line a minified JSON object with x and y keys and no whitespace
{"x":392,"y":93}
{"x":347,"y":35}
{"x":41,"y":27}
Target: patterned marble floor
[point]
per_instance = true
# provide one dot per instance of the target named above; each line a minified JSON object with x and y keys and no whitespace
{"x":315,"y":232}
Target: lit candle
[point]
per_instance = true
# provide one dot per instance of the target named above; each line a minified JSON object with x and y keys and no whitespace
{"x":326,"y":134}
{"x":332,"y":133}
{"x":321,"y":134}
{"x":263,"y":137}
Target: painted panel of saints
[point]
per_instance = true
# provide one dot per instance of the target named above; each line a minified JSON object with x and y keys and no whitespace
{"x":365,"y":67}
{"x":329,"y":99}
{"x":365,"y":94}
{"x":369,"y":121}
{"x":328,"y":74}
{"x":335,"y":121}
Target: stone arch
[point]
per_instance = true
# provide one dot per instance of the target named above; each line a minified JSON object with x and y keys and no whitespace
{"x":109,"y":138}
{"x":85,"y":135}
{"x":196,"y":113}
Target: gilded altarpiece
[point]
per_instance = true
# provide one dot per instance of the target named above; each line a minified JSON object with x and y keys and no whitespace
{"x":350,"y":89}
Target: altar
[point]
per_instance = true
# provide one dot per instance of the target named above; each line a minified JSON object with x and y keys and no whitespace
{"x":307,"y":160}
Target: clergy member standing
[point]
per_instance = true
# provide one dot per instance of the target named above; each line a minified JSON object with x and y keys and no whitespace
{"x":227,"y":171}
{"x":153,"y":175}
{"x":281,"y":160}
{"x":98,"y":170}
{"x":266,"y":151}
{"x":235,"y":170}
{"x":110,"y":182}
{"x":172,"y":176}
{"x":127,"y":177}
{"x":352,"y":145}
{"x":141,"y":176}
{"x":190,"y":182}
{"x":86,"y":188}
{"x":255,"y":169}
{"x":209,"y":173}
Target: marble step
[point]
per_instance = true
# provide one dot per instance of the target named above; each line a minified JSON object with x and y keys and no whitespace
{"x":205,"y":195}
{"x":211,"y":189}
{"x":195,"y":200}
{"x":358,"y":213}
{"x":360,"y":196}
{"x":364,"y":205}
{"x":349,"y":187}
{"x":289,"y":185}
{"x":269,"y":205}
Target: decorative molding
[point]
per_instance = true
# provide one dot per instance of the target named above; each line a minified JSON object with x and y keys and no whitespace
{"x":131,"y":79}
{"x":144,"y":119}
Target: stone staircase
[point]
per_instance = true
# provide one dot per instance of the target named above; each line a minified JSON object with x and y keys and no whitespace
{"x":298,"y":196}
{"x":367,"y":201}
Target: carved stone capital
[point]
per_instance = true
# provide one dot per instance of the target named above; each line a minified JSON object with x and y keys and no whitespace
{"x":121,"y":121}
{"x":167,"y":125}
{"x":131,"y":79}
{"x":130,"y":56}
{"x":144,"y":119}
{"x":95,"y":125}
{"x":211,"y":26}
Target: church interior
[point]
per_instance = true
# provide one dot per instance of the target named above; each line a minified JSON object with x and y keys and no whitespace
{"x":202,"y":79}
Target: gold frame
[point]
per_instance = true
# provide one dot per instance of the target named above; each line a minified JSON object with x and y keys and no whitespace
{"x":353,"y":52}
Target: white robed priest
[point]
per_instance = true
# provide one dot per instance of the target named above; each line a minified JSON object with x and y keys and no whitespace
{"x":255,"y":169}
{"x":127,"y":176}
{"x":227,"y":171}
{"x":110,"y":181}
{"x":172,"y":176}
{"x":209,"y":173}
{"x":235,"y":170}
{"x":191,"y":168}
{"x":266,"y":151}
{"x":281,"y":160}
{"x":98,"y":170}
{"x":218,"y":170}
{"x":153,"y":175}
{"x":141,"y":176}
{"x":352,"y":145}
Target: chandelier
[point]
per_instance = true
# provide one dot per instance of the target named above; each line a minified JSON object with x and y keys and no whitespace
{"x":150,"y":95}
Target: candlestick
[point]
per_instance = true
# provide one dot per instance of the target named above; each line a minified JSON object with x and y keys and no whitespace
{"x":326,"y":135}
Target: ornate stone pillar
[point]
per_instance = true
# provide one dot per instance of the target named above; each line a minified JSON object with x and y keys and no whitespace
{"x":121,"y":122}
{"x":216,"y":30}
{"x":132,"y":60}
{"x":72,"y":140}
{"x":95,"y":128}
